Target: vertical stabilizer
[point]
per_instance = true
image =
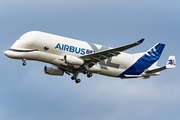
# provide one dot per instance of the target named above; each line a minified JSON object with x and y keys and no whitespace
{"x":148,"y":59}
{"x":171,"y":63}
{"x":152,"y":55}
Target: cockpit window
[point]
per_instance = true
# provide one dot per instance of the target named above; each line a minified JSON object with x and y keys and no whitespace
{"x":23,"y":50}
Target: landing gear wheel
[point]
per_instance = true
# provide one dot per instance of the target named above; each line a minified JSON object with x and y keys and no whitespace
{"x":73,"y":77}
{"x":89,"y":75}
{"x":78,"y":81}
{"x":24,"y":64}
{"x":85,"y":72}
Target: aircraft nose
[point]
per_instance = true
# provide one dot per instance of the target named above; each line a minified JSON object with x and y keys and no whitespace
{"x":7,"y":53}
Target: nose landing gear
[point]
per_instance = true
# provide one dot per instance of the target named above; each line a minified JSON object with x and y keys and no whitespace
{"x":24,"y":62}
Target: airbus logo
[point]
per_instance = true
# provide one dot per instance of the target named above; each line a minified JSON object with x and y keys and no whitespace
{"x":73,"y":49}
{"x":70,"y":49}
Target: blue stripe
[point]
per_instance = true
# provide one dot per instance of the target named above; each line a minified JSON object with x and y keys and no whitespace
{"x":145,"y":61}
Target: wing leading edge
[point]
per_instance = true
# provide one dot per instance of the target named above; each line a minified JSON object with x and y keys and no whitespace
{"x":94,"y":58}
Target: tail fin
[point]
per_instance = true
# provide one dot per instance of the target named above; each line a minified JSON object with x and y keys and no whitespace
{"x":171,"y":63}
{"x":147,"y":60}
{"x":152,"y":55}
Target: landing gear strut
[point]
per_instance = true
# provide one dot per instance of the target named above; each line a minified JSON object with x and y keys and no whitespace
{"x":24,"y":62}
{"x":75,"y":74}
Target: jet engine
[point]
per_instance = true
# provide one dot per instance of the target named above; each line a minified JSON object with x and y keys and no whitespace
{"x":73,"y":60}
{"x":53,"y":70}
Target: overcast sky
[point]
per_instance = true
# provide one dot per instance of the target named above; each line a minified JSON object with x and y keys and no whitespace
{"x":26,"y":93}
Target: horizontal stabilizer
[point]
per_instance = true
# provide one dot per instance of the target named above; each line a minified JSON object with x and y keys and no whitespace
{"x":171,"y":63}
{"x":156,"y":70}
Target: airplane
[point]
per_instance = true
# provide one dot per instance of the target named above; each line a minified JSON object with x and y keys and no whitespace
{"x":72,"y":57}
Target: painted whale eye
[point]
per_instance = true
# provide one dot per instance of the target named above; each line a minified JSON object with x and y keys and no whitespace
{"x":46,"y":48}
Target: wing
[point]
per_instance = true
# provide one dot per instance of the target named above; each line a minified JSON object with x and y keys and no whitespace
{"x":94,"y":58}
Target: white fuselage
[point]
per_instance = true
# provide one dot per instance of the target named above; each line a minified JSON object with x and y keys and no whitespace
{"x":74,"y":56}
{"x":51,"y":49}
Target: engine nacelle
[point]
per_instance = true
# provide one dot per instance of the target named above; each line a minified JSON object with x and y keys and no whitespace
{"x":73,"y":60}
{"x":53,"y":70}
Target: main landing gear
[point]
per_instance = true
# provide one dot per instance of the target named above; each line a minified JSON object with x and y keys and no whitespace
{"x":74,"y":77}
{"x":24,"y":62}
{"x":88,"y":74}
{"x":76,"y":80}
